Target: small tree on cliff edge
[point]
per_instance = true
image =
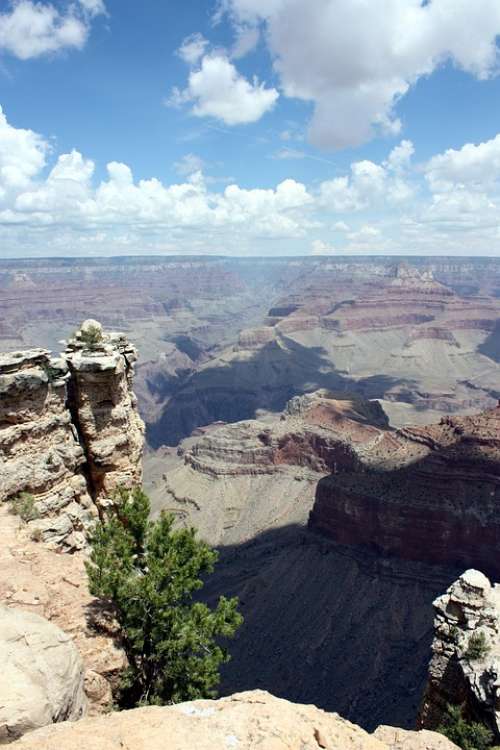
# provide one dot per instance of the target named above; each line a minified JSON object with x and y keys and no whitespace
{"x":149,"y":572}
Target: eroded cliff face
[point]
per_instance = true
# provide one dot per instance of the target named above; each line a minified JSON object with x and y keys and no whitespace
{"x":429,"y":494}
{"x":104,"y":409}
{"x":70,"y":432}
{"x":40,"y":452}
{"x":465,"y":665}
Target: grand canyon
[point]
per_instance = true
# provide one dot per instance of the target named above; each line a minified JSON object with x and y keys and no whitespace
{"x":331,"y":427}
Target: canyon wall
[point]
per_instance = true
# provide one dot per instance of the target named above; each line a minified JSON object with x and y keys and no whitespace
{"x":429,"y":494}
{"x":69,"y":433}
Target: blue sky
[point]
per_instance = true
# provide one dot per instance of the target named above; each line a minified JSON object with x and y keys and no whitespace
{"x":249,"y":127}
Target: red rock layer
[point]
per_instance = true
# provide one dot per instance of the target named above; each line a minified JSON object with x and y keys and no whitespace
{"x":429,"y":494}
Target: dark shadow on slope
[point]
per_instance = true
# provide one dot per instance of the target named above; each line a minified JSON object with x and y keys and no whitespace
{"x":266,"y":380}
{"x":335,"y":626}
{"x":491,"y":345}
{"x":441,"y":509}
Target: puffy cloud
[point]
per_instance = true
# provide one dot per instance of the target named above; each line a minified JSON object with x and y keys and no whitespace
{"x":400,"y":156}
{"x":30,"y":29}
{"x":22,"y":156}
{"x":371,"y":184}
{"x":474,"y":166}
{"x":354,"y":59}
{"x":388,"y":211}
{"x":366,"y":185}
{"x":216,"y":89}
{"x":93,"y":7}
{"x":192,"y":48}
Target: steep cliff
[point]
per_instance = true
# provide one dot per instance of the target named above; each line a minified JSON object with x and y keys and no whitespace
{"x":69,"y":433}
{"x":104,"y":408}
{"x":429,"y":494}
{"x":465,"y":665}
{"x":40,"y":452}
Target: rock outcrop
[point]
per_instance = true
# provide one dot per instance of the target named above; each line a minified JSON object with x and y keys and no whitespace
{"x":40,"y":452}
{"x":41,"y":680}
{"x":243,"y":721}
{"x":104,"y":408}
{"x":241,"y":479}
{"x":465,"y":665}
{"x":425,"y":493}
{"x":36,"y":580}
{"x":69,"y":432}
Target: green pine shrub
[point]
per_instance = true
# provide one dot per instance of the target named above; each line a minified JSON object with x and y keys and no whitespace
{"x":148,"y":571}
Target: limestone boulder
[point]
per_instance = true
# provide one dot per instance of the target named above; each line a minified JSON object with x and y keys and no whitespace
{"x":41,"y":680}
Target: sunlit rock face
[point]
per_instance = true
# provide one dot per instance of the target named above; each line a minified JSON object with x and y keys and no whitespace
{"x":70,"y":432}
{"x":42,"y":675}
{"x":460,"y":674}
{"x":104,"y":408}
{"x":40,"y":450}
{"x":243,"y":721}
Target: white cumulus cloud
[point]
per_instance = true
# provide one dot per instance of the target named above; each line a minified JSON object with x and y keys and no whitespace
{"x":30,"y":29}
{"x":216,"y":89}
{"x":354,"y":59}
{"x":472,"y":165}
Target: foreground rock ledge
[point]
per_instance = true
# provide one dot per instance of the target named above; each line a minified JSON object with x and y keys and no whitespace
{"x":41,"y":677}
{"x":247,"y":720}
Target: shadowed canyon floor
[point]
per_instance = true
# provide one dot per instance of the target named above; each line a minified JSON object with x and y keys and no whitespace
{"x":332,"y":623}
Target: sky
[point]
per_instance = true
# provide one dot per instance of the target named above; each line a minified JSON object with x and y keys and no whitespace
{"x":249,"y":127}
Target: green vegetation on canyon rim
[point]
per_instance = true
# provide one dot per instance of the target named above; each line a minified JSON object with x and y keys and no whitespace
{"x":467,"y":735}
{"x":149,"y":572}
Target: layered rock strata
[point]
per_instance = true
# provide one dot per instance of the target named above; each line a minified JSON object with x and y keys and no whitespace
{"x":104,"y":409}
{"x":69,"y":433}
{"x":243,"y":721}
{"x":465,"y":665}
{"x":40,"y":451}
{"x":430,"y":494}
{"x":241,"y":479}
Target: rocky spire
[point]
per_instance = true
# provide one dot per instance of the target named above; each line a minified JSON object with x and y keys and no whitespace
{"x":70,"y":432}
{"x":104,"y":407}
{"x":465,"y":665}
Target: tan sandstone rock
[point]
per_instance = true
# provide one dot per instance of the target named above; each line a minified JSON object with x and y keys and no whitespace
{"x":104,"y":408}
{"x":40,"y":453}
{"x":243,"y":721}
{"x":41,"y":679}
{"x":35,"y":579}
{"x":402,"y":739}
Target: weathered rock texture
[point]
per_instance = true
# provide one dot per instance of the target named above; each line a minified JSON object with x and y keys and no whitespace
{"x":241,"y":479}
{"x":40,"y":452}
{"x":243,"y":721}
{"x":430,"y":494}
{"x":41,"y":679}
{"x":69,"y":432}
{"x":104,"y":409}
{"x":36,"y":580}
{"x":471,"y":606}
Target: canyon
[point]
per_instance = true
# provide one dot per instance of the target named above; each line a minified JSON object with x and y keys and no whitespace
{"x":227,"y":339}
{"x":279,"y":429}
